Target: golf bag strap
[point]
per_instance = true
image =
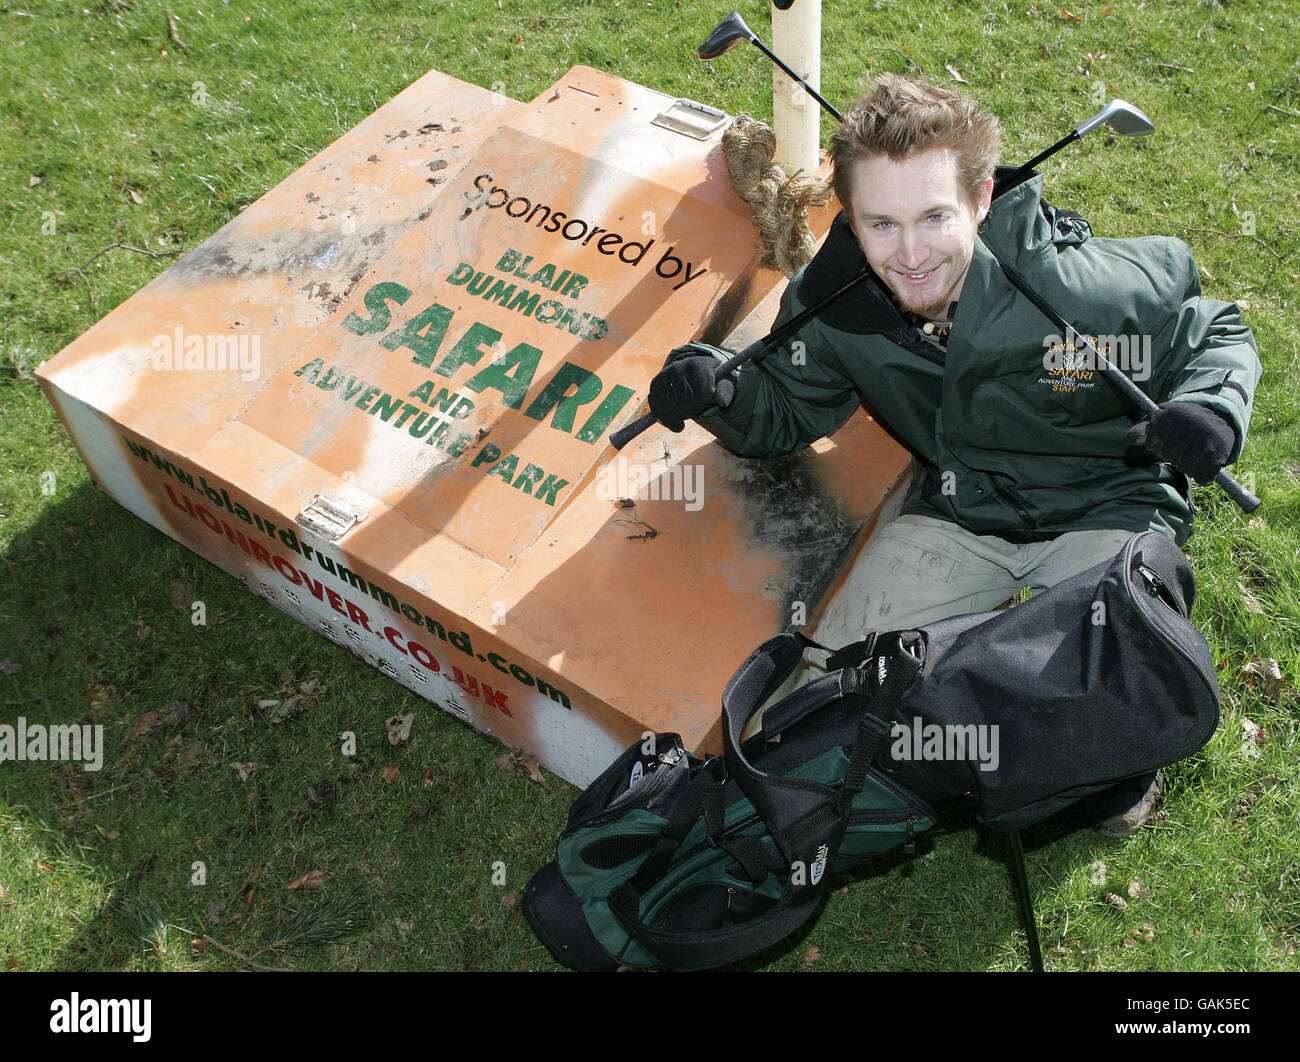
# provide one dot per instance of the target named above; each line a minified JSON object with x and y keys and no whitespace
{"x":877,"y":724}
{"x":704,"y":794}
{"x":808,"y":699}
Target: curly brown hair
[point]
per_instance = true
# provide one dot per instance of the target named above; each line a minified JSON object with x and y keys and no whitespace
{"x":900,"y":115}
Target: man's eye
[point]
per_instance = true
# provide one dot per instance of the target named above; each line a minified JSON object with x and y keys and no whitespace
{"x":938,"y":217}
{"x":881,"y":226}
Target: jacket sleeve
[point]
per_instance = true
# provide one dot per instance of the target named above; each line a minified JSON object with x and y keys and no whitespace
{"x":788,"y":399}
{"x":1212,"y":358}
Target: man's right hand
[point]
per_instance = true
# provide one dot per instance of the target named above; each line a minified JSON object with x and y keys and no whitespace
{"x":686,"y":388}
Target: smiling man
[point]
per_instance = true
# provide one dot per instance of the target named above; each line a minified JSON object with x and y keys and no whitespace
{"x":1028,"y":467}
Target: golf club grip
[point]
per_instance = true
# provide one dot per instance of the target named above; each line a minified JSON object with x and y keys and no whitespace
{"x":628,"y":432}
{"x":1246,"y":501}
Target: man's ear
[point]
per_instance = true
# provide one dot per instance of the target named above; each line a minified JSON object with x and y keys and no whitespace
{"x":985,"y":201}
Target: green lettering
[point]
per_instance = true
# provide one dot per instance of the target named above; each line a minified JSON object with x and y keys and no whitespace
{"x":470,"y":348}
{"x":555,"y":395}
{"x":522,"y":361}
{"x":315,"y":365}
{"x":528,"y":478}
{"x":525,"y":302}
{"x":506,"y":468}
{"x":376,"y":300}
{"x":500,"y":292}
{"x":413,"y":336}
{"x":548,"y":490}
{"x":603,"y":415}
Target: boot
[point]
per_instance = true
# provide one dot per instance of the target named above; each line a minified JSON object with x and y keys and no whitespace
{"x":1121,"y":810}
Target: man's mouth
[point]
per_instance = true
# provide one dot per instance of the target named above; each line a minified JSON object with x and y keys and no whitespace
{"x":917,"y":277}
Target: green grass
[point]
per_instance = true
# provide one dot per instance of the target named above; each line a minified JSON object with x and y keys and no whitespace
{"x":97,"y":870}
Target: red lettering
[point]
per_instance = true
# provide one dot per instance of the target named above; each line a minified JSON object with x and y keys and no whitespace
{"x":416,"y":649}
{"x":468,"y":683}
{"x":336,"y":602}
{"x":495,"y":699}
{"x":357,"y":616}
{"x":317,"y":589}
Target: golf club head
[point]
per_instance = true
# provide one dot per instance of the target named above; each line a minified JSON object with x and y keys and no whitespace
{"x":729,"y":32}
{"x":1121,"y":116}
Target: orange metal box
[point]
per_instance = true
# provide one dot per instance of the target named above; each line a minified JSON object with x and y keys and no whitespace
{"x":381,"y":398}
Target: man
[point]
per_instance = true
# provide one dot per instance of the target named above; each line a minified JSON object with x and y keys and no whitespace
{"x":1032,"y":468}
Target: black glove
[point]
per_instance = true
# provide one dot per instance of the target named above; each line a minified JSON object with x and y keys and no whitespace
{"x":686,"y":388}
{"x":1193,"y":438}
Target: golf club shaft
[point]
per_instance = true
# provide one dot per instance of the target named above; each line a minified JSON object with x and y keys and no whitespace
{"x":1020,"y":171}
{"x":759,"y":347}
{"x":1245,"y":500}
{"x":806,"y":87}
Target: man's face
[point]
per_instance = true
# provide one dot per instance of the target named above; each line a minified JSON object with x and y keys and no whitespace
{"x":917,"y":226}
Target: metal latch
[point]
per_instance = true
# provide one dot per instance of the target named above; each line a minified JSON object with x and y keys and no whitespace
{"x":692,"y":119}
{"x":329,"y":517}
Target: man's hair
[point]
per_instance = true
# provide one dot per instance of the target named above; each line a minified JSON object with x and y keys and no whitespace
{"x":899,"y":116}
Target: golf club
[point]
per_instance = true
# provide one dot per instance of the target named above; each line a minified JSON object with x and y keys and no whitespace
{"x":1120,"y":115}
{"x":759,"y":347}
{"x":731,"y":31}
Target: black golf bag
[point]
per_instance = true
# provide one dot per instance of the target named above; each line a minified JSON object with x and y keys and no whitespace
{"x":668,"y":860}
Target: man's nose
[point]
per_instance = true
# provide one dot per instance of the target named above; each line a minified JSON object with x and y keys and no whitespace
{"x":913,"y":250}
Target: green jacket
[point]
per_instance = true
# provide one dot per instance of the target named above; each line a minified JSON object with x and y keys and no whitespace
{"x":1006,"y":443}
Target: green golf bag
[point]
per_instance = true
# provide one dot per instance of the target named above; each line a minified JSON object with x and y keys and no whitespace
{"x":668,"y":860}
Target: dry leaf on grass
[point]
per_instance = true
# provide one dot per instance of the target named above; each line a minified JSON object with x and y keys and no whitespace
{"x":1250,"y":739}
{"x":1116,"y":901}
{"x":812,"y":954}
{"x":1265,"y":674}
{"x":953,"y":71}
{"x":1134,"y":889}
{"x":511,"y":899}
{"x":321,"y":793}
{"x":8,"y":667}
{"x":390,"y":774}
{"x":180,"y":594}
{"x":399,"y":728}
{"x":518,"y":759}
{"x":244,"y":770}
{"x":313,"y":879}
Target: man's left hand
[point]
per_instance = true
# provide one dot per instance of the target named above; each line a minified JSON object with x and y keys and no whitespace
{"x":1193,"y":438}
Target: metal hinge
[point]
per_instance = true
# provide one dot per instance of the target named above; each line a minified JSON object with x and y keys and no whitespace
{"x":329,"y":517}
{"x":692,"y":119}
